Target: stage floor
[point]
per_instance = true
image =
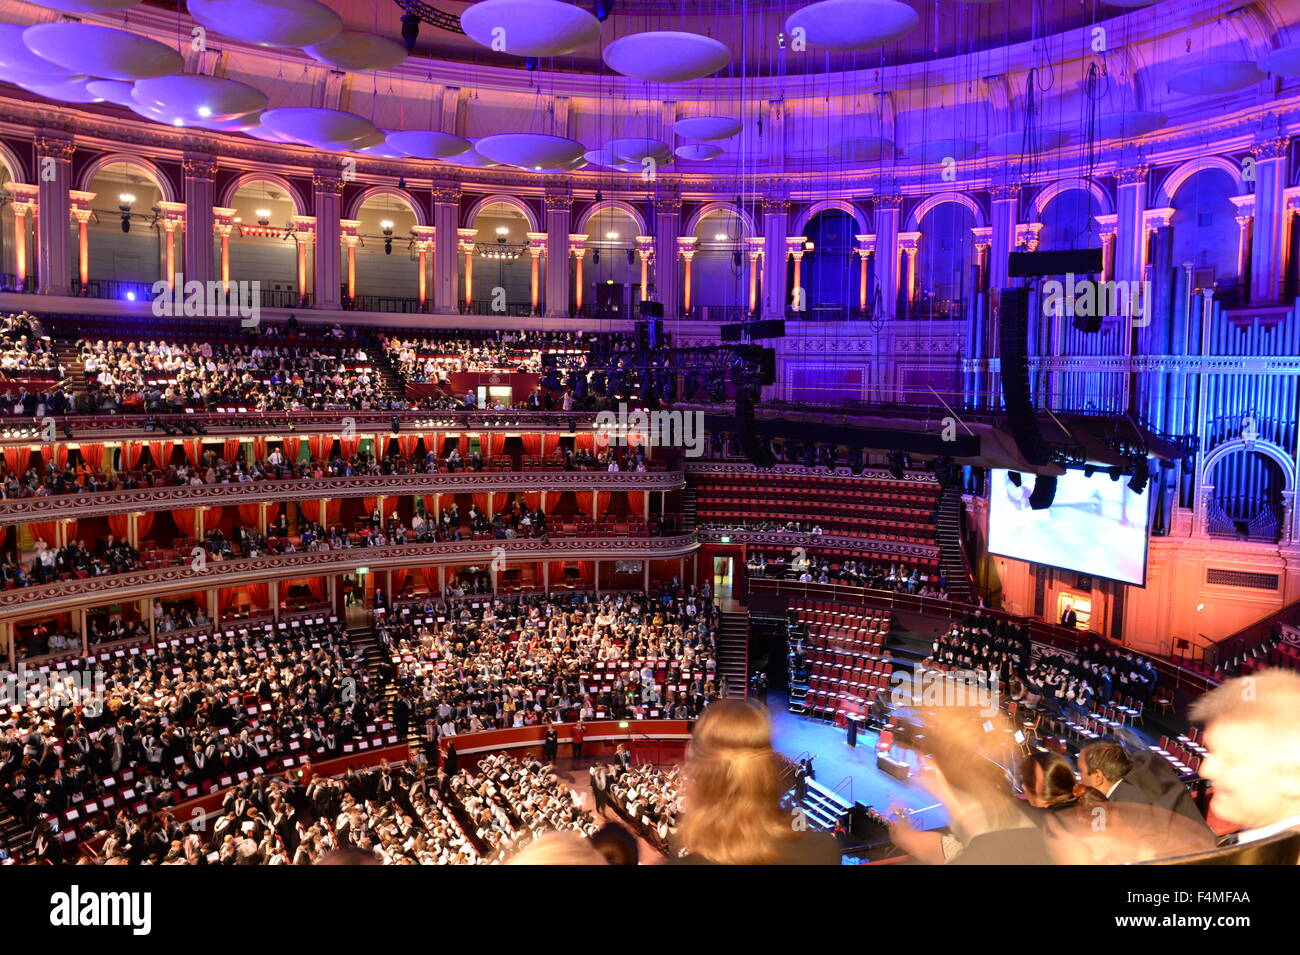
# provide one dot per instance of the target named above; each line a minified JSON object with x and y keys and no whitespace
{"x":834,"y":761}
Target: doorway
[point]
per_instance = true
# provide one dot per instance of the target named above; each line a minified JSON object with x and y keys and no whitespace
{"x":722,"y":577}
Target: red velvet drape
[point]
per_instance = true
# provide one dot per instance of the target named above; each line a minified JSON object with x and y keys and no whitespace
{"x":497,"y":444}
{"x":44,"y":530}
{"x":320,"y":446}
{"x":585,"y":441}
{"x":291,"y":445}
{"x":249,"y":514}
{"x":399,"y":579}
{"x":555,"y":570}
{"x":161,"y":452}
{"x":407,"y":443}
{"x":636,"y":502}
{"x":131,"y":454}
{"x":143,"y":524}
{"x":18,"y":459}
{"x":430,"y":575}
{"x":232,"y":449}
{"x":117,"y":526}
{"x":349,"y":444}
{"x":532,"y":442}
{"x":93,"y":455}
{"x":532,"y":500}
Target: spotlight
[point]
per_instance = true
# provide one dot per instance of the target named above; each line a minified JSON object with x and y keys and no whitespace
{"x":401,"y":182}
{"x":602,"y":9}
{"x":600,"y":197}
{"x":395,"y":424}
{"x":595,"y":257}
{"x":387,"y":226}
{"x":263,"y":216}
{"x":124,"y":203}
{"x":1141,"y":473}
{"x":67,"y":431}
{"x":1014,"y":478}
{"x":1089,"y":470}
{"x":531,"y":63}
{"x":410,"y":29}
{"x":1115,"y":472}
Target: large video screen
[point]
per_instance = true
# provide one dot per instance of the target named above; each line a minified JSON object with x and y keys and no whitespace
{"x":1095,"y":525}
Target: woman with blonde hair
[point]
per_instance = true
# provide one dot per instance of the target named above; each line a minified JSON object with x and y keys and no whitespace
{"x":733,"y":813}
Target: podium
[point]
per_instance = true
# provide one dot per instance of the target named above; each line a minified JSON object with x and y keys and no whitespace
{"x":851,"y":726}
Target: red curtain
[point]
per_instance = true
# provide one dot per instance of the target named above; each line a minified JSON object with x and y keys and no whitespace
{"x":636,"y":502}
{"x":431,"y":440}
{"x":332,"y":510}
{"x":430,"y":575}
{"x":232,"y":448}
{"x":497,"y":444}
{"x":320,"y":446}
{"x":349,"y":444}
{"x":370,"y":503}
{"x":532,"y":500}
{"x":131,"y":453}
{"x":399,"y":579}
{"x":259,"y":595}
{"x":407,"y":443}
{"x":143,"y":524}
{"x":117,"y":526}
{"x":382,"y":442}
{"x":188,"y":523}
{"x":161,"y":452}
{"x":587,"y":568}
{"x":93,"y":455}
{"x":602,"y":503}
{"x":532,"y":442}
{"x":481,"y":501}
{"x":259,"y":449}
{"x":310,"y":510}
{"x":500,"y":501}
{"x":249,"y":514}
{"x":445,"y":501}
{"x":44,"y":530}
{"x":430,"y":503}
{"x":550,"y":443}
{"x":18,"y":459}
{"x":193,"y":449}
{"x":555,"y":568}
{"x":584,"y":501}
{"x":585,"y":441}
{"x":57,"y":453}
{"x":4,"y":532}
{"x":291,"y":448}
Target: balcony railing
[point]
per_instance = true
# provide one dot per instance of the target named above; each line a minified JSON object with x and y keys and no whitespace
{"x":384,"y":303}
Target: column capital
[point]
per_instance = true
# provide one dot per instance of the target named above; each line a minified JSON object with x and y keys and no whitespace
{"x":349,"y":229}
{"x":1004,"y":193}
{"x":328,"y":185}
{"x":24,"y":194}
{"x":1107,"y":225}
{"x":645,"y":245}
{"x":577,"y":243}
{"x":558,"y":202}
{"x":983,"y":236}
{"x":866,"y":245}
{"x":670,"y":206}
{"x":56,"y":148}
{"x":223,"y":219}
{"x":776,"y":205}
{"x":686,"y":245}
{"x":909,"y":241}
{"x":1132,"y":175}
{"x":1027,"y":234}
{"x":1245,"y":207}
{"x":1271,"y":148}
{"x":465,"y":239}
{"x":446,"y":193}
{"x":304,"y":227}
{"x":756,"y":243}
{"x":199,"y":167}
{"x":80,"y":202}
{"x":887,"y":202}
{"x":423,"y":237}
{"x":1157,"y":218}
{"x":173,"y":214}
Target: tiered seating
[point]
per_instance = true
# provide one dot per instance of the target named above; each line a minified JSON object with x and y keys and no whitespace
{"x":847,"y":664}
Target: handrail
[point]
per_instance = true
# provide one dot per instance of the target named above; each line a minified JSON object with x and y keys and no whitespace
{"x":840,"y":785}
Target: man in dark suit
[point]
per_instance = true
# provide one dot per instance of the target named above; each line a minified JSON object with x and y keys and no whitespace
{"x":1108,"y":767}
{"x":551,"y":745}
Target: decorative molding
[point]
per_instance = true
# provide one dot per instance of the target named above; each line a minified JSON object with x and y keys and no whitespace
{"x":789,"y":539}
{"x":1131,"y":176}
{"x":200,"y":168}
{"x":1275,"y":148}
{"x":57,"y":148}
{"x":329,"y":185}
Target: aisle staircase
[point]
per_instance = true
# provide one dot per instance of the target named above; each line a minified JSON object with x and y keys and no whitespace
{"x":952,"y":555}
{"x":688,"y":508}
{"x":15,"y":837}
{"x":390,"y":382}
{"x":733,"y":653}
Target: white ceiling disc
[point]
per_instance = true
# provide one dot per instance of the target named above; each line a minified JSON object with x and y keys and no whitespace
{"x":634,"y":149}
{"x":529,"y":150}
{"x":579,"y":163}
{"x":473,"y":158}
{"x":268,"y":22}
{"x":65,"y":91}
{"x":25,"y":78}
{"x":358,"y":52}
{"x":86,"y":6}
{"x":628,"y":167}
{"x":312,"y":125}
{"x":852,"y":24}
{"x":1014,"y":142}
{"x":18,"y":61}
{"x":666,"y":56}
{"x":530,"y":27}
{"x":939,"y":150}
{"x":200,"y":98}
{"x":383,"y":151}
{"x":1126,"y":125}
{"x":1283,"y":62}
{"x":707,"y":127}
{"x":1207,"y":79}
{"x":238,"y":124}
{"x":1130,"y":3}
{"x":102,"y":51}
{"x":861,"y":148}
{"x":270,"y":136}
{"x":427,"y":144}
{"x":699,"y":151}
{"x":112,"y":91}
{"x":164,"y":116}
{"x":600,"y":157}
{"x":375,"y":138}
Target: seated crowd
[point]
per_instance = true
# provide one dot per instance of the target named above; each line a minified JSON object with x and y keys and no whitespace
{"x":532,"y":660}
{"x":861,"y":572}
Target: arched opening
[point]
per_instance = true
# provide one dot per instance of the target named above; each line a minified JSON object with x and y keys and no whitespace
{"x":1069,"y":221}
{"x":719,"y":270}
{"x":1205,"y":231}
{"x":608,"y":283}
{"x":828,"y":271}
{"x":500,"y":281}
{"x":8,"y":232}
{"x":1247,"y":502}
{"x":264,"y":248}
{"x":125,"y":238}
{"x":387,"y":262}
{"x":945,"y":261}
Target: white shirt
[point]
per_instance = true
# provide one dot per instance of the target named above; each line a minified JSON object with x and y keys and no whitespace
{"x":1255,"y":835}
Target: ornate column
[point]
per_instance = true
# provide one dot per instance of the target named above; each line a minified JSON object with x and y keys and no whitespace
{"x":1153,"y":220}
{"x":983,"y":243}
{"x":328,"y":191}
{"x":1245,"y":222}
{"x":200,"y":173}
{"x":465,"y":242}
{"x":865,"y":249}
{"x":425,"y":243}
{"x":304,"y":228}
{"x":557,"y":262}
{"x":776,"y":215}
{"x":886,"y":212}
{"x":350,"y":237}
{"x":909,"y":243}
{"x":446,"y":218}
{"x":223,"y":222}
{"x":1107,"y":228}
{"x":25,"y":204}
{"x":645,"y":248}
{"x":755,"y":253}
{"x":1131,"y":186}
{"x":173,"y":220}
{"x":686,"y":249}
{"x":54,"y":168}
{"x":795,"y":247}
{"x":668,"y":214}
{"x":1271,"y":180}
{"x":536,"y":247}
{"x":578,"y":250}
{"x":1027,"y":235}
{"x":82,"y":214}
{"x":1005,"y":204}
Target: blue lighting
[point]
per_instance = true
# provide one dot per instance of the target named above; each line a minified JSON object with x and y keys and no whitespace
{"x":130,"y":296}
